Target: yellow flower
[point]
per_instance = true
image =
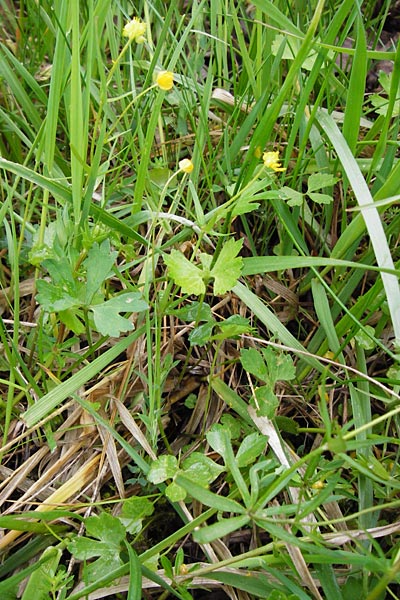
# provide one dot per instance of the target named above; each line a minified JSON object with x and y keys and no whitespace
{"x":165,"y":80}
{"x":186,"y":165}
{"x":271,"y":160}
{"x":135,"y":30}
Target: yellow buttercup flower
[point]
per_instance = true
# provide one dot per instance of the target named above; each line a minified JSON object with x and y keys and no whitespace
{"x":135,"y":30}
{"x":165,"y":80}
{"x":186,"y":165}
{"x":271,"y":160}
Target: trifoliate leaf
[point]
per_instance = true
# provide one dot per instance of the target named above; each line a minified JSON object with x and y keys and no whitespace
{"x":192,"y":279}
{"x":184,"y":273}
{"x":228,"y":267}
{"x":106,"y":317}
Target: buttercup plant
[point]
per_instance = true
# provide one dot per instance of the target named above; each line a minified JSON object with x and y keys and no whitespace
{"x":193,"y":340}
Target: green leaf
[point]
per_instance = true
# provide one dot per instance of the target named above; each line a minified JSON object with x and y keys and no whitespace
{"x":193,"y":311}
{"x":208,"y":498}
{"x":163,"y":468}
{"x":220,"y":529}
{"x":192,"y":278}
{"x":317,"y":181}
{"x":98,"y":264}
{"x":280,"y":365}
{"x":109,"y":532}
{"x":175,"y":492}
{"x":293,"y":197}
{"x":105,"y":527}
{"x":135,"y":575}
{"x":201,"y":468}
{"x":39,"y":585}
{"x":228,"y":267}
{"x":71,"y":320}
{"x":320,"y":198}
{"x":184,"y":273}
{"x":251,"y":449}
{"x":107,"y":319}
{"x":365,"y":337}
{"x":291,"y":48}
{"x":253,"y":363}
{"x":232,"y":327}
{"x":219,"y":438}
{"x":133,"y":511}
{"x":201,"y":335}
{"x":267,"y":401}
{"x":53,"y":298}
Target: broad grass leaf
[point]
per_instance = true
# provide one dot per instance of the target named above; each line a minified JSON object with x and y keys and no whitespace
{"x":208,"y":498}
{"x":220,"y":529}
{"x":40,"y":582}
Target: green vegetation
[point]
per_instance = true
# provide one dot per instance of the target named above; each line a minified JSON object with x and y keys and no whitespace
{"x":199,"y":300}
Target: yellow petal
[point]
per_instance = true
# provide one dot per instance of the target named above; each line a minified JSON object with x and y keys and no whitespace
{"x":135,"y":30}
{"x":186,"y":165}
{"x":271,"y":160}
{"x":165,"y":80}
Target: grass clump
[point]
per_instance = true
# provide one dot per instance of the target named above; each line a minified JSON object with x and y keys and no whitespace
{"x":200,"y":307}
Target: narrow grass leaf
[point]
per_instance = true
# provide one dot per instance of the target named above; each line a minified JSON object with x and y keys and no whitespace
{"x":218,"y":530}
{"x":271,"y":321}
{"x":371,"y":217}
{"x":67,"y":388}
